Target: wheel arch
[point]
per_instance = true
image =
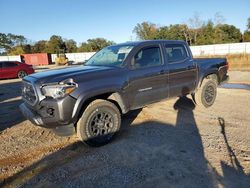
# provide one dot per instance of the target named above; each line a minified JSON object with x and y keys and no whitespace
{"x":114,"y":97}
{"x":211,"y":74}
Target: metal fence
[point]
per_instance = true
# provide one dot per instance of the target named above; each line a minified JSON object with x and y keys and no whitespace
{"x":221,"y":49}
{"x":10,"y":58}
{"x":75,"y":57}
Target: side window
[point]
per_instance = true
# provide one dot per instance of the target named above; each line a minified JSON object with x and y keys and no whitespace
{"x":9,"y":64}
{"x":147,"y":57}
{"x":175,"y":52}
{"x":1,"y":65}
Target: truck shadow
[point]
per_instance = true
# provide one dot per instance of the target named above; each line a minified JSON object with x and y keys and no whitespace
{"x":147,"y":154}
{"x":9,"y":104}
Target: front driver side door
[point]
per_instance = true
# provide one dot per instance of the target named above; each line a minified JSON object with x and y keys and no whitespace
{"x":148,"y":77}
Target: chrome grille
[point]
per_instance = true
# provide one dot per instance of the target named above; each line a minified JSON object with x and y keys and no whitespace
{"x":28,"y":93}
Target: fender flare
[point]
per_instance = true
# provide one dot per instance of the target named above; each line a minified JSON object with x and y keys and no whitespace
{"x":119,"y":99}
{"x":86,"y":99}
{"x":205,"y":75}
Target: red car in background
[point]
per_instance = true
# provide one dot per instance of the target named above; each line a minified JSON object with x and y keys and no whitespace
{"x":14,"y":69}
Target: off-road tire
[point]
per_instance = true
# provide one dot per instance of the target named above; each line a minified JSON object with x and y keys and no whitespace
{"x":207,"y":93}
{"x":99,"y":123}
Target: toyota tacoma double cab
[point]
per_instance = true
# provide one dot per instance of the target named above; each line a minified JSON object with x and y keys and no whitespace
{"x":89,"y":99}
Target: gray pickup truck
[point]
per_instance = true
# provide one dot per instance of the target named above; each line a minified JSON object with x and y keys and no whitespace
{"x":89,"y":99}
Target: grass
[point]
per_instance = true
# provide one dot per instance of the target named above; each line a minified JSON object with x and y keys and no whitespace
{"x":236,"y":61}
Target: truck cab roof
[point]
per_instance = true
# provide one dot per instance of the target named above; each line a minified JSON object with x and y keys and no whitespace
{"x":136,"y":43}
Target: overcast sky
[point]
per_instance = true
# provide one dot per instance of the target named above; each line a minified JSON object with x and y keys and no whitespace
{"x":110,"y":19}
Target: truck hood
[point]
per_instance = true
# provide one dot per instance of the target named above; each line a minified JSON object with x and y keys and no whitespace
{"x":58,"y":75}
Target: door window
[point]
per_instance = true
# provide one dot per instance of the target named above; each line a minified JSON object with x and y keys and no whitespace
{"x":147,"y":57}
{"x":9,"y":64}
{"x":176,"y":53}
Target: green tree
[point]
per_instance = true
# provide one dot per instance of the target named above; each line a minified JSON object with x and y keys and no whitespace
{"x":40,"y":47}
{"x":27,"y":48}
{"x":17,"y":39}
{"x":146,"y":31}
{"x":54,"y":44}
{"x":84,"y":47}
{"x":163,"y":33}
{"x":225,"y":33}
{"x":8,"y":41}
{"x":207,"y":35}
{"x":173,"y":32}
{"x":17,"y":50}
{"x":98,"y":43}
{"x":13,"y":44}
{"x":246,"y":35}
{"x":20,"y":49}
{"x":5,"y":42}
{"x":248,"y":24}
{"x":70,"y":46}
{"x":93,"y":45}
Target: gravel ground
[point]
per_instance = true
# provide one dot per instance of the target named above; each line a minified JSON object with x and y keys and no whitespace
{"x":240,"y":77}
{"x":169,"y":144}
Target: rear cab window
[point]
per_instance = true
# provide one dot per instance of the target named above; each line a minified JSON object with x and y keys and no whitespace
{"x":176,"y":53}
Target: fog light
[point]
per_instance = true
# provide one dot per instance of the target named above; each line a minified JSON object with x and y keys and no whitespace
{"x":50,"y":111}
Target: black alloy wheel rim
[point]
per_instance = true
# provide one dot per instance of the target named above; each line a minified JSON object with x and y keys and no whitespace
{"x":101,"y":123}
{"x":22,"y":74}
{"x":209,"y":93}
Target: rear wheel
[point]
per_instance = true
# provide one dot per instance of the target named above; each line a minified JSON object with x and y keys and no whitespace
{"x":99,"y":123}
{"x":207,"y":93}
{"x":21,"y":74}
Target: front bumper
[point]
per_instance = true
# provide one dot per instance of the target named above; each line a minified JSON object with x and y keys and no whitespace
{"x":30,"y":115}
{"x":51,"y":113}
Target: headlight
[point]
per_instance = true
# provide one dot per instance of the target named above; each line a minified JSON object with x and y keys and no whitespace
{"x":60,"y":89}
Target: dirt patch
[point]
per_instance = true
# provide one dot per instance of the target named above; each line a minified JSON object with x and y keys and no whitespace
{"x":24,"y":144}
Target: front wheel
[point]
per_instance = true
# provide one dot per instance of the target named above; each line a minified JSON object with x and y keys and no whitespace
{"x":207,"y":93}
{"x":99,"y":123}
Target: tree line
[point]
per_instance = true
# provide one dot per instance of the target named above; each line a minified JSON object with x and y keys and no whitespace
{"x":194,"y":32}
{"x":11,"y":44}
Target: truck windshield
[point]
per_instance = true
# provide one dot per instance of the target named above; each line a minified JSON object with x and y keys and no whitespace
{"x":110,"y":56}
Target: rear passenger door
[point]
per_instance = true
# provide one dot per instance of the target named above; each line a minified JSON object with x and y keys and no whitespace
{"x":182,"y":70}
{"x":147,"y":77}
